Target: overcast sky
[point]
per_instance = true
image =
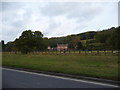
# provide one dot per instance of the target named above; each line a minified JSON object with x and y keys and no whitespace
{"x":55,"y":19}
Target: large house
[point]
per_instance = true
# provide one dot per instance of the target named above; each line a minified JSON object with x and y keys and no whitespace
{"x":60,"y":47}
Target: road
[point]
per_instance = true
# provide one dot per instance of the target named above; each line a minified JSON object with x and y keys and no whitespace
{"x":23,"y":79}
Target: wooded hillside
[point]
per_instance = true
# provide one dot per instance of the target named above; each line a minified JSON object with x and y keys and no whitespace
{"x":108,"y":39}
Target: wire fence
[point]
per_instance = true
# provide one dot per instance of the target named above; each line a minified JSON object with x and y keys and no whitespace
{"x":72,"y":52}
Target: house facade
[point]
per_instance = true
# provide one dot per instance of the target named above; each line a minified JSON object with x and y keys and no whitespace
{"x":60,"y":47}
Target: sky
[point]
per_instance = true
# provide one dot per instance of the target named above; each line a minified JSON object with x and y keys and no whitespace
{"x":56,"y":19}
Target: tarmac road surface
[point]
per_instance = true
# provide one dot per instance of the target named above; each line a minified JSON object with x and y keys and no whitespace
{"x":12,"y":78}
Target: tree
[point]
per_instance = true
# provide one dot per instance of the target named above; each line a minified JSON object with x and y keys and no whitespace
{"x":38,"y":34}
{"x":73,"y":42}
{"x":79,"y":46}
{"x":8,"y":46}
{"x":29,"y":41}
{"x":3,"y":45}
{"x":45,"y":43}
{"x":114,"y":40}
{"x":101,"y":37}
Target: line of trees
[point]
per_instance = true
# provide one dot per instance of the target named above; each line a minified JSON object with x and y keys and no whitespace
{"x":29,"y":41}
{"x":32,"y":41}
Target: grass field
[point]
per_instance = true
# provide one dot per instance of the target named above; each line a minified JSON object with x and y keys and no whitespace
{"x":101,"y":66}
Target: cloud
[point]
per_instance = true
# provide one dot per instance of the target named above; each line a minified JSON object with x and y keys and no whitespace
{"x":79,"y":10}
{"x":54,"y":18}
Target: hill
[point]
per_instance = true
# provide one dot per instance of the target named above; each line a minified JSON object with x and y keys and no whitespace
{"x":91,"y":40}
{"x":107,"y":39}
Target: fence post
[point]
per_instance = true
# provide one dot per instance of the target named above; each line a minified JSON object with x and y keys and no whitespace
{"x":79,"y":52}
{"x":112,"y":51}
{"x":97,"y":51}
{"x":74,"y":51}
{"x":85,"y":51}
{"x":69,"y":51}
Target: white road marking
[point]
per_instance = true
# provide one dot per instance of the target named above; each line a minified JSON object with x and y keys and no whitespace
{"x":78,"y":80}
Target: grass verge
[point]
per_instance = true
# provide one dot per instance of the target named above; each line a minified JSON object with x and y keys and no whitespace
{"x":105,"y":67}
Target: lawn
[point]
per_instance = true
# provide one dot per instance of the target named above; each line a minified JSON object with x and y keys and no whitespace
{"x":101,"y":66}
